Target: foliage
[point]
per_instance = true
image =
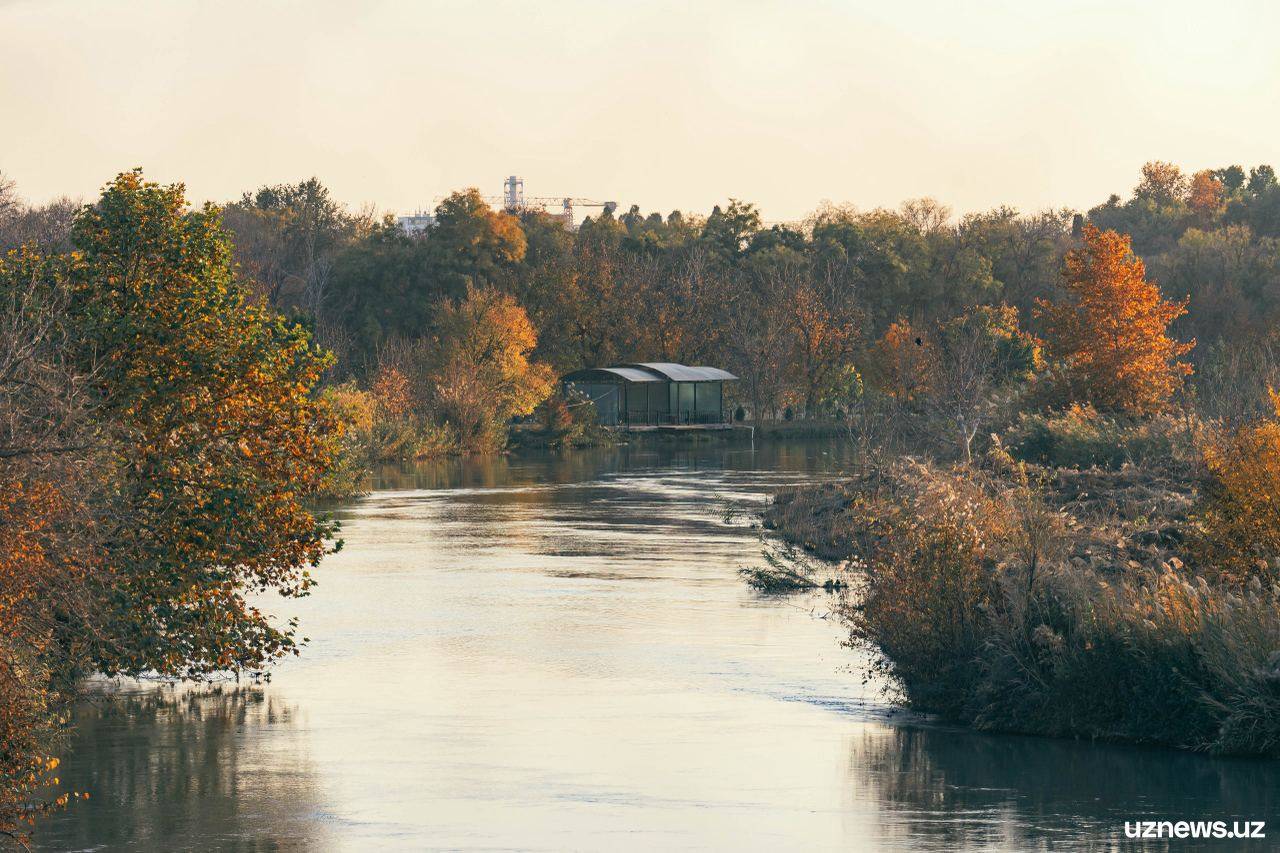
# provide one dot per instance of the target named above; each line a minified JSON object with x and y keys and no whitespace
{"x":473,"y":245}
{"x":1080,"y":437}
{"x":972,"y":600}
{"x":569,"y":420}
{"x":1239,"y":535}
{"x":481,"y":375}
{"x":217,"y":438}
{"x":903,"y":362}
{"x":1112,"y":330}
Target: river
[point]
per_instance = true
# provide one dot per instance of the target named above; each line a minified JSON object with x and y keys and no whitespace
{"x":555,"y":652}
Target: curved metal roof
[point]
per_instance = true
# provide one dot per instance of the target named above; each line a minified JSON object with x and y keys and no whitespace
{"x":631,"y":374}
{"x":684,"y":373}
{"x":655,"y":371}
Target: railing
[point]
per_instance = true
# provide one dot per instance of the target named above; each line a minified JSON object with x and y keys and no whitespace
{"x":642,"y":418}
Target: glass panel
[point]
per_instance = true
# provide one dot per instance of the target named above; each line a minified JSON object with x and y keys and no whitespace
{"x":605,"y":396}
{"x":686,"y":401}
{"x":709,"y":401}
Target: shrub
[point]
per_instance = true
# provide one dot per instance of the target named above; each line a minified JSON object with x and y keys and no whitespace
{"x":1238,"y":535}
{"x":1080,"y":437}
{"x":570,"y":421}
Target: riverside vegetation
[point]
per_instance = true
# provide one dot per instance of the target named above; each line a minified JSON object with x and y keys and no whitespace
{"x":1062,"y":514}
{"x":1108,"y":566}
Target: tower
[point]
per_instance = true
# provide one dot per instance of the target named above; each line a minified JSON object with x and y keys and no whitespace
{"x":513,"y":193}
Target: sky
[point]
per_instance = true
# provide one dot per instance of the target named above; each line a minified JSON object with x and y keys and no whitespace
{"x":665,"y":105}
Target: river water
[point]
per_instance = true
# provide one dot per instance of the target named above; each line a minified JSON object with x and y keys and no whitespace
{"x":556,"y":653}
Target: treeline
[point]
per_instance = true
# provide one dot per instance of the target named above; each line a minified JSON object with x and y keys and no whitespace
{"x":792,"y":309}
{"x":789,"y":308}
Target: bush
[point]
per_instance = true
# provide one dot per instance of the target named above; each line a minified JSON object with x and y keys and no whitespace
{"x":569,"y":421}
{"x":374,"y":431}
{"x":1080,"y":437}
{"x":1238,"y":535}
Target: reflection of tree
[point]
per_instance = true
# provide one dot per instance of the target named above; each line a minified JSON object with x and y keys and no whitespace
{"x":542,"y":467}
{"x":187,"y":769}
{"x":950,"y":789}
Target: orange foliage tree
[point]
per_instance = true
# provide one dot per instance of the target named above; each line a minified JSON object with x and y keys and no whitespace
{"x":482,"y":375}
{"x":1112,"y":329}
{"x":159,"y":441}
{"x":824,"y":341}
{"x":903,"y":362}
{"x":1205,"y":196}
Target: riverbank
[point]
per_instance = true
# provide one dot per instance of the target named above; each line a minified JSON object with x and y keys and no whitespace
{"x":1049,"y":601}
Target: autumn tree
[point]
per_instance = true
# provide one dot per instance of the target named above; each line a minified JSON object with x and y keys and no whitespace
{"x":1162,"y":183}
{"x":215,"y":438}
{"x":481,"y":373}
{"x":824,"y":332}
{"x":902,"y":362}
{"x":49,"y":576}
{"x":979,"y":354}
{"x":1111,"y":329}
{"x":1205,"y":195}
{"x":471,"y":243}
{"x":158,"y":440}
{"x":1238,"y":537}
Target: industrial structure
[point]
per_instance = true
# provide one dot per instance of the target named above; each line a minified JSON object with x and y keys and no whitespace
{"x":514,"y":200}
{"x":653,"y":395}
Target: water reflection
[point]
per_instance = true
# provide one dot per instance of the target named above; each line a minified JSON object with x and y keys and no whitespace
{"x":178,"y":769}
{"x":947,"y":789}
{"x":825,"y":457}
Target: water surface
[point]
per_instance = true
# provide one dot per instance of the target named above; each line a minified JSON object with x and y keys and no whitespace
{"x":556,"y":653}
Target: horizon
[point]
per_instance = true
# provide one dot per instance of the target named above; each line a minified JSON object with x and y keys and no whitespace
{"x":393,"y":105}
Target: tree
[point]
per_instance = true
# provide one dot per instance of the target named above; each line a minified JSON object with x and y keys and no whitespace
{"x":979,"y":353}
{"x":1232,"y":177}
{"x":471,"y":243}
{"x":1205,"y":195}
{"x":1162,"y":183}
{"x":286,"y":237}
{"x":48,"y":574}
{"x":158,"y":439}
{"x":729,"y":231}
{"x":902,"y":362}
{"x":215,"y":438}
{"x":824,"y":332}
{"x":383,"y":289}
{"x":1111,"y":330}
{"x":1261,"y":179}
{"x":481,"y":374}
{"x":1239,"y":518}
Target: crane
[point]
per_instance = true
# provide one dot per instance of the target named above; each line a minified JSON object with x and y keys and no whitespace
{"x":513,"y":199}
{"x":568,"y":204}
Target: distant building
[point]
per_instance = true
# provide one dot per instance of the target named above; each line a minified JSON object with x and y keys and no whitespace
{"x":654,"y":395}
{"x":417,"y":223}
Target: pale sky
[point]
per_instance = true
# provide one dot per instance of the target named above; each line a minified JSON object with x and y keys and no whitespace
{"x":666,"y":105}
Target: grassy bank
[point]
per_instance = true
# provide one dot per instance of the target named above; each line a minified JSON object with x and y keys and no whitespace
{"x":1058,"y":601}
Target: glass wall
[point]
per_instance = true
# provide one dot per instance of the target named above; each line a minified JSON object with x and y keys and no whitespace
{"x":708,"y":402}
{"x":606,"y":396}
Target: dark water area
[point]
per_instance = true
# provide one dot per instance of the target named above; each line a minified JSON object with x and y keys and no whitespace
{"x":555,"y":652}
